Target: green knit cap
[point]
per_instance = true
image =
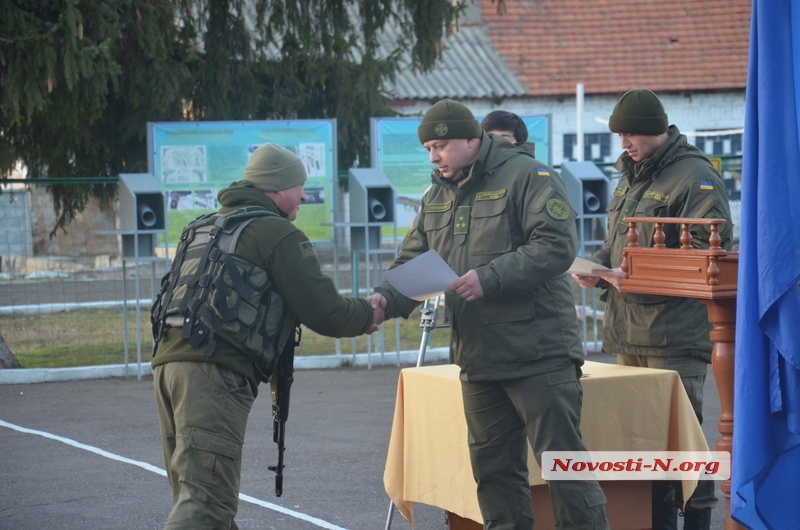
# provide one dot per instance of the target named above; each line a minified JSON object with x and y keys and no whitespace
{"x":448,"y":120}
{"x":638,"y":111}
{"x":274,"y":168}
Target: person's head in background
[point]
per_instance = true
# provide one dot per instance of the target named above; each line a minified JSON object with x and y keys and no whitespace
{"x":506,"y":124}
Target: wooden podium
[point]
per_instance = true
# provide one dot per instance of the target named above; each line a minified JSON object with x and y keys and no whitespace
{"x":708,"y":275}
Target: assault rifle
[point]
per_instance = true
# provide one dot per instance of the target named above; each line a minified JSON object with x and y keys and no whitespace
{"x":411,"y":204}
{"x":281,"y":384}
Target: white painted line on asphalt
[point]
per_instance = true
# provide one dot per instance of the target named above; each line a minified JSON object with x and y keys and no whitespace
{"x":159,"y":471}
{"x":95,"y":450}
{"x":297,"y":515}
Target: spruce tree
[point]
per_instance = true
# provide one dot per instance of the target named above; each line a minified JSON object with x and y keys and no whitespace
{"x":80,"y":79}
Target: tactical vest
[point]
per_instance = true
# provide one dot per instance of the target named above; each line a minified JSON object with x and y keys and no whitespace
{"x":215,"y":296}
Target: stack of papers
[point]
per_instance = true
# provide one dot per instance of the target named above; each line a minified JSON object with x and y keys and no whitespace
{"x":584,"y":267}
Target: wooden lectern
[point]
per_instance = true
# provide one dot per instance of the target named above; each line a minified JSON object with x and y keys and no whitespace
{"x":708,"y":275}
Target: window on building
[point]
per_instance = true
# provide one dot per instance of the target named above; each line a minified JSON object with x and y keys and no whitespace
{"x":719,"y":144}
{"x":596,"y":147}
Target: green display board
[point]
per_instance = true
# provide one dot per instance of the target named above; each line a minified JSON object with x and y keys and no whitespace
{"x":397,"y":152}
{"x":192,"y":161}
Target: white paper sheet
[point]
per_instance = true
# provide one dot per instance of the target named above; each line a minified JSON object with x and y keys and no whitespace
{"x":584,"y":267}
{"x":426,"y":276}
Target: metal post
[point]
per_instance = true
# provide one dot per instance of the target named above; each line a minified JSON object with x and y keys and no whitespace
{"x":579,"y":122}
{"x":125,"y":348}
{"x":138,"y":309}
{"x":354,"y":287}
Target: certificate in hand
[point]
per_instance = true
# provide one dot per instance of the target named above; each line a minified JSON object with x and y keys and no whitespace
{"x":426,"y":276}
{"x":584,"y":267}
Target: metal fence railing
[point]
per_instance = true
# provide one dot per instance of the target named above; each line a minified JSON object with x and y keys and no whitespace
{"x":72,"y":298}
{"x":68,"y":299}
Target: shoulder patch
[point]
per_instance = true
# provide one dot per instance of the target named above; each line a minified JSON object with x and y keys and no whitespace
{"x":490,"y":195}
{"x":543,"y":172}
{"x":557,"y":209}
{"x":619,"y":192}
{"x":724,"y":229}
{"x":706,"y":185}
{"x":657,"y":196}
{"x":437,"y":208}
{"x":307,"y":249}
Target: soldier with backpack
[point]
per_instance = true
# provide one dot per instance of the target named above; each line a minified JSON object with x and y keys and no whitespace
{"x":226,"y":319}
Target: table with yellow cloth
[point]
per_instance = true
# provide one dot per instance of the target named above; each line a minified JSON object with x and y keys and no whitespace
{"x":624,"y":409}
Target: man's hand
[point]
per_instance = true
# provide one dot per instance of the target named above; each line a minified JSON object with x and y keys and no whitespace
{"x":613,"y":276}
{"x":378,"y":303}
{"x":468,"y":286}
{"x":587,"y":282}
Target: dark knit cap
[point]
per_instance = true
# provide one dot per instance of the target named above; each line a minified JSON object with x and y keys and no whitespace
{"x":638,"y":111}
{"x":448,"y":120}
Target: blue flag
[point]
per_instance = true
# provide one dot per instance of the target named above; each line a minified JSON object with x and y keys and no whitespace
{"x":766,"y":438}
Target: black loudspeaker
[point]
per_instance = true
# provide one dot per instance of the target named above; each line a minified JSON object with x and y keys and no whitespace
{"x":371,"y":202}
{"x":142,"y":207}
{"x":588,"y":187}
{"x":589,"y":191}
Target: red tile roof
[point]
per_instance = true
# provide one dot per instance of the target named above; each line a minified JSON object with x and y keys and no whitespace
{"x":613,"y":45}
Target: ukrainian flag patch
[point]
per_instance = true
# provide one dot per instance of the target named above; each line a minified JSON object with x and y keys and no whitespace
{"x":543,"y":172}
{"x":307,"y":249}
{"x":706,"y":185}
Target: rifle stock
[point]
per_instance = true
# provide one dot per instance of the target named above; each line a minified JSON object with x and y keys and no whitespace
{"x":281,"y":384}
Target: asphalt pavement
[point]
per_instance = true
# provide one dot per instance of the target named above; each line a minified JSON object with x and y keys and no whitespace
{"x":86,"y":455}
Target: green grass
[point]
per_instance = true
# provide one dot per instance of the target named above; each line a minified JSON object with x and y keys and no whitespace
{"x":90,"y":337}
{"x":93,"y":337}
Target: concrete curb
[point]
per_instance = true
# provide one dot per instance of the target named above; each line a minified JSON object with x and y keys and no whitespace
{"x":21,"y":376}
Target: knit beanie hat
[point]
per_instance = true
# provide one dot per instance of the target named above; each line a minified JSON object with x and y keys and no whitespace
{"x":638,"y":111}
{"x":447,"y":120}
{"x":274,"y":168}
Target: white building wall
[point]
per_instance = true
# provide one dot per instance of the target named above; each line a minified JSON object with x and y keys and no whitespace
{"x":691,"y":113}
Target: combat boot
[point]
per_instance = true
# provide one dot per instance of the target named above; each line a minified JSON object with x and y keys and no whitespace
{"x":697,"y":519}
{"x":664,"y":516}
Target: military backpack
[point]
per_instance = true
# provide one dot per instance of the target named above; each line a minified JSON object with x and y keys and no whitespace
{"x":215,"y":296}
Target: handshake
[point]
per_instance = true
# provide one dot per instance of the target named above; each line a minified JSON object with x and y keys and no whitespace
{"x":378,"y":303}
{"x":467,"y":287}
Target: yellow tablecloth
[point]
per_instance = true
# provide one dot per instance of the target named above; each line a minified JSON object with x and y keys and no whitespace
{"x":624,"y":408}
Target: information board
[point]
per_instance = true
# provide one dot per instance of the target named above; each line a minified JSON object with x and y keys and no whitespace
{"x":192,"y":161}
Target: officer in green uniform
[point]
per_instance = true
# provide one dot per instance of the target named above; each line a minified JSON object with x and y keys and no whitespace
{"x":661,"y":175}
{"x":204,"y":401}
{"x":501,"y":220}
